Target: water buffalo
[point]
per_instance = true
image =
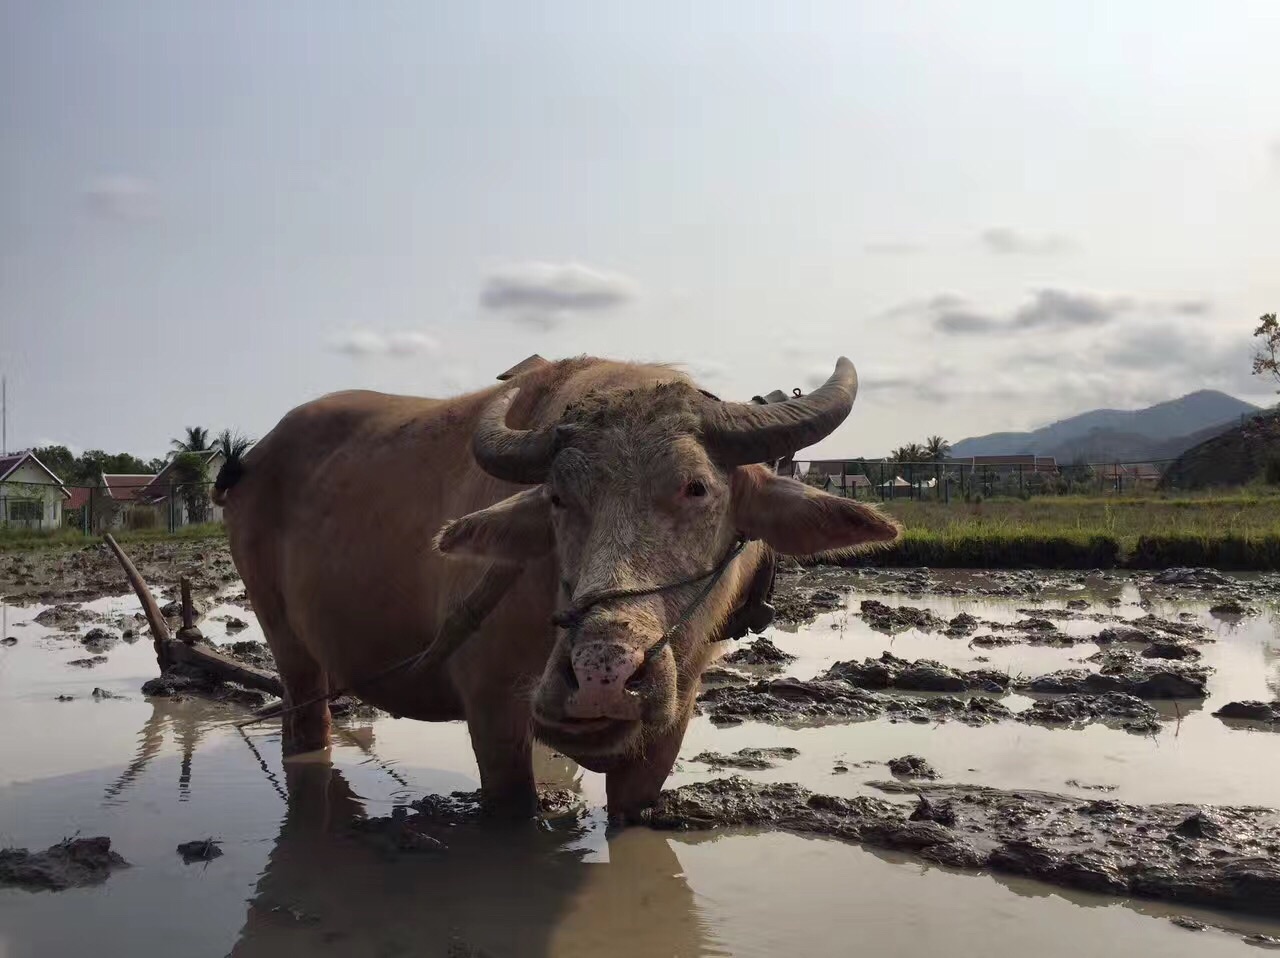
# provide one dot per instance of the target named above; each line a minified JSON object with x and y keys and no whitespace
{"x":359,"y":521}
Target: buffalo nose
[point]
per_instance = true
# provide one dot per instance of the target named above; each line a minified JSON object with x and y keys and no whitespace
{"x":602,"y":671}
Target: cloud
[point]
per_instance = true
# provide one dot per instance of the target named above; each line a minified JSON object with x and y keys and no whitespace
{"x":1275,"y":152}
{"x":963,"y":321}
{"x":120,"y":199}
{"x":893,"y":249}
{"x":1191,"y":307}
{"x":364,"y":343}
{"x":543,"y":294}
{"x":1047,"y":310}
{"x":1007,"y":242}
{"x":1056,"y":309}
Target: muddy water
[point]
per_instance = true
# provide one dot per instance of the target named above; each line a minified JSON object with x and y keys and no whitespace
{"x":295,"y":879}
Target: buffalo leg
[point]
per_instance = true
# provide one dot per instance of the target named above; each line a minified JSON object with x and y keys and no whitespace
{"x":306,"y":721}
{"x":633,"y":787}
{"x":503,"y":745}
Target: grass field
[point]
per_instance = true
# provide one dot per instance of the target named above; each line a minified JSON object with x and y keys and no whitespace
{"x":19,"y":540}
{"x":1239,"y":531}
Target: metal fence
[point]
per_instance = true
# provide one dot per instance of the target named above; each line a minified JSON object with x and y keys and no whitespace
{"x":45,"y":507}
{"x":964,"y":480}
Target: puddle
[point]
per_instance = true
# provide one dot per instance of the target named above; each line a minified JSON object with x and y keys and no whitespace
{"x":295,"y":879}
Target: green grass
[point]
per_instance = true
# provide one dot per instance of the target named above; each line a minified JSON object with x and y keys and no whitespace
{"x":1237,"y":531}
{"x":23,"y":540}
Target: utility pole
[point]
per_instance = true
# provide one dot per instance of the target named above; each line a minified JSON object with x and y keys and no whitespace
{"x":4,"y":415}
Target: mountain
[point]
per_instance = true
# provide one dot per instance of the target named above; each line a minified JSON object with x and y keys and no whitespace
{"x":1162,"y":431}
{"x":1236,"y":456}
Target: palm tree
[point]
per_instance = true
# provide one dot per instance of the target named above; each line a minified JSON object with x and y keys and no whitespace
{"x":937,"y":448}
{"x":196,"y":440}
{"x":911,"y":452}
{"x":232,"y":445}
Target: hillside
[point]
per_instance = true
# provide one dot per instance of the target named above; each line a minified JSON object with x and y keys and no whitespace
{"x":1162,"y":431}
{"x":1234,"y":457}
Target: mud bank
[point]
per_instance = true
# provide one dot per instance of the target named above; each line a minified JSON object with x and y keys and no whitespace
{"x":792,"y":702}
{"x":68,"y":864}
{"x":1216,"y":857}
{"x":91,"y":572}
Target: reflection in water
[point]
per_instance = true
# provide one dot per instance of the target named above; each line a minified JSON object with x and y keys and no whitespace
{"x":505,"y":890}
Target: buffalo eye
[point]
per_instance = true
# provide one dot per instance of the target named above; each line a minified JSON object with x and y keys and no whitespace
{"x":695,"y":488}
{"x":556,"y":501}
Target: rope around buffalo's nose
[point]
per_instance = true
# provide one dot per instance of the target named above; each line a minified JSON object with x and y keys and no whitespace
{"x":571,"y":619}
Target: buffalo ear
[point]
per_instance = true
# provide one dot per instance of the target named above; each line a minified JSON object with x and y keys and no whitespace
{"x":797,"y":519}
{"x":516,"y":529}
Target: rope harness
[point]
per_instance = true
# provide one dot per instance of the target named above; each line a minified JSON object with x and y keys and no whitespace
{"x":571,"y":619}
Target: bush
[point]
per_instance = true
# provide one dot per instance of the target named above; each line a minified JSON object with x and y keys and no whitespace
{"x":1271,"y":471}
{"x":996,"y":550}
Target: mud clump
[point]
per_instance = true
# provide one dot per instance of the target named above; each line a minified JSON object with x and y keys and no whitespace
{"x":1182,"y":630}
{"x":249,"y":652}
{"x":1123,"y":634}
{"x":797,"y":606}
{"x":789,"y":700}
{"x":747,"y":758}
{"x":1115,"y":708}
{"x":719,"y":675}
{"x":8,"y":640}
{"x":99,"y":640}
{"x":72,"y":863}
{"x":203,"y":850}
{"x":760,"y":652}
{"x":89,"y":663}
{"x":925,"y":675}
{"x":912,"y":766}
{"x":963,"y":624}
{"x":1170,"y":650}
{"x":1196,"y":578}
{"x":181,"y":680}
{"x":1251,"y":712}
{"x":1095,"y":845}
{"x":889,"y":619}
{"x":423,"y":826}
{"x":1172,"y":680}
{"x":1232,"y":607}
{"x":236,"y":625}
{"x":64,"y":616}
{"x":944,"y":813}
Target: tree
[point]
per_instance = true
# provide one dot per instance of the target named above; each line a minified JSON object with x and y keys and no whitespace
{"x":195,"y":440}
{"x":59,"y":460}
{"x":911,"y":452}
{"x":232,"y":445}
{"x":1266,"y":362}
{"x":937,"y":448}
{"x":193,"y":485}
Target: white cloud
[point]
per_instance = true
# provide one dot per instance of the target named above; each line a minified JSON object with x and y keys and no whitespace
{"x":893,"y":249}
{"x":363,"y":343}
{"x":1007,"y":242}
{"x":122,"y":199}
{"x":543,"y":294}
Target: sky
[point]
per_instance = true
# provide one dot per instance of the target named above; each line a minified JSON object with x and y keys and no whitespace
{"x":1004,"y":213}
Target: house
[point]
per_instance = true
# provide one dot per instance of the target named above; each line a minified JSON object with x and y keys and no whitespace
{"x":117,"y":502}
{"x":851,"y":487}
{"x":31,"y":496}
{"x":176,"y":504}
{"x":1026,"y":465}
{"x":1121,"y":474}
